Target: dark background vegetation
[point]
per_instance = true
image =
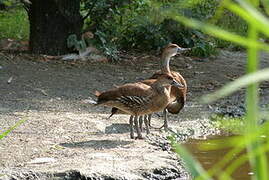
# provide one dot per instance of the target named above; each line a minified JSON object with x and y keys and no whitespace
{"x":140,"y":25}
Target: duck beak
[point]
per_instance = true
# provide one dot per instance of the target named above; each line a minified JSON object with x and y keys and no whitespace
{"x":113,"y":111}
{"x":177,"y":84}
{"x":181,"y":50}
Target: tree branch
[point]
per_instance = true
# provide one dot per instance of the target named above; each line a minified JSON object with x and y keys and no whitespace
{"x":90,"y":11}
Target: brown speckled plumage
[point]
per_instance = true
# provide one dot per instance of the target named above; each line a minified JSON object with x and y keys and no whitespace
{"x":177,"y":95}
{"x":139,"y":98}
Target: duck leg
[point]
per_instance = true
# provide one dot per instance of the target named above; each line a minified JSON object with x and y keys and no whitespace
{"x":131,"y":123}
{"x":139,"y":135}
{"x":165,"y":124}
{"x":141,"y":123}
{"x":146,"y":123}
{"x":149,"y":120}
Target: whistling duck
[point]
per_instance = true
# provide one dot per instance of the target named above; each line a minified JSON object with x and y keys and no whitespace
{"x":177,"y":95}
{"x":139,"y":99}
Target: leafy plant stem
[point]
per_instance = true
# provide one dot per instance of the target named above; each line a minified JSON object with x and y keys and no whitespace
{"x":257,"y":162}
{"x":12,"y":128}
{"x":193,"y":165}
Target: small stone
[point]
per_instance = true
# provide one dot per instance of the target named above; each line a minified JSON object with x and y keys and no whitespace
{"x":88,"y":101}
{"x":9,"y":80}
{"x":42,"y":160}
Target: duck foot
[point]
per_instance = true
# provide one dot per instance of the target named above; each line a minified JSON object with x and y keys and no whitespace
{"x":132,"y":136}
{"x":131,"y":127}
{"x":139,"y":137}
{"x":159,"y":128}
{"x":156,"y":127}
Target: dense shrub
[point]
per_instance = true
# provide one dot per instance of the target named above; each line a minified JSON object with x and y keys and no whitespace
{"x":140,"y":24}
{"x":14,"y":24}
{"x":233,"y":24}
{"x":143,"y":25}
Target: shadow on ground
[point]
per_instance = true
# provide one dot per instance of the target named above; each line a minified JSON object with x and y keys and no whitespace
{"x":97,"y":144}
{"x":117,"y":128}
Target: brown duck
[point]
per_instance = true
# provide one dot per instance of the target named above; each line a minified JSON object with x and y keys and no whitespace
{"x":138,"y":99}
{"x":177,"y":95}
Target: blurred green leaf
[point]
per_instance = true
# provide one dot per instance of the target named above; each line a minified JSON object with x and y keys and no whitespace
{"x":241,"y":82}
{"x":193,"y":166}
{"x":251,"y":15}
{"x":11,"y":128}
{"x":220,"y":33}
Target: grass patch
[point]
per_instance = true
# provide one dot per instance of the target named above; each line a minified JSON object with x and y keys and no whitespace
{"x":228,"y":124}
{"x":14,"y":24}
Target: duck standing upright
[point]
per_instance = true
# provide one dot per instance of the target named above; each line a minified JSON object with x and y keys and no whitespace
{"x":177,"y":95}
{"x":139,"y":99}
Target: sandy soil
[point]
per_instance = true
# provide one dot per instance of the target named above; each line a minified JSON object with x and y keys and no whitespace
{"x":65,"y":138}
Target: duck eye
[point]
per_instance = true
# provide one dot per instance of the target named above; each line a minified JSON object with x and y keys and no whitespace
{"x":170,"y":78}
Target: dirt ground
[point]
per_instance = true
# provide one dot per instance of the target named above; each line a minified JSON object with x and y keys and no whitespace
{"x":65,"y":138}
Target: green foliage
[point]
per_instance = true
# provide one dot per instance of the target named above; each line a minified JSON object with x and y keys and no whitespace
{"x":192,"y":165}
{"x":255,"y":137}
{"x":6,"y":2}
{"x":231,"y":125}
{"x":108,"y":48}
{"x":143,"y":24}
{"x":78,"y":45}
{"x":4,"y":134}
{"x":246,"y":80}
{"x":14,"y":24}
{"x":232,"y":23}
{"x":203,"y":49}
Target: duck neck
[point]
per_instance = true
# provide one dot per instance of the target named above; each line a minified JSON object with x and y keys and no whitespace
{"x":165,"y":64}
{"x":160,"y":88}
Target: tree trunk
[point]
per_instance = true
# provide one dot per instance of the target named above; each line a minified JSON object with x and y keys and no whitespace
{"x":51,"y":22}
